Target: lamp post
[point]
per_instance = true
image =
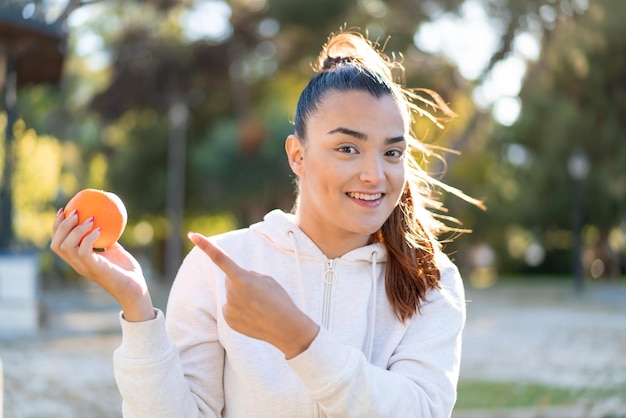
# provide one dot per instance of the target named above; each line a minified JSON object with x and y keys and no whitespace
{"x":578,"y":167}
{"x":179,"y":118}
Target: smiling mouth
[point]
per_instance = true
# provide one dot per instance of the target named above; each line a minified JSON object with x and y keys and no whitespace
{"x":365,"y":196}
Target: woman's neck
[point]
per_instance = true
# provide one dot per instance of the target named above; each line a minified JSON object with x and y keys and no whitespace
{"x":331,"y":242}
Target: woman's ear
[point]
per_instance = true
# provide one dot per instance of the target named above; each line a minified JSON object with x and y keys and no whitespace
{"x":295,"y":154}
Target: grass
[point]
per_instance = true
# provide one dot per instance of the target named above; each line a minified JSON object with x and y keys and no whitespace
{"x":474,"y":394}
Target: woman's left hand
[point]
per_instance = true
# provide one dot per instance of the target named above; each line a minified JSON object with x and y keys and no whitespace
{"x":259,"y":307}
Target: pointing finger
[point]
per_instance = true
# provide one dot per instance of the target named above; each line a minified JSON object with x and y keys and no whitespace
{"x":219,"y":257}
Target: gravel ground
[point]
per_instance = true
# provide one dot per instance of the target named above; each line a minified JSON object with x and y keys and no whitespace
{"x":65,"y":371}
{"x":539,"y":334}
{"x":546,"y":334}
{"x":552,"y":337}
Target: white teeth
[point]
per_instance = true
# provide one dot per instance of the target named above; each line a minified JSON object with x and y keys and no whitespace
{"x":363,"y":196}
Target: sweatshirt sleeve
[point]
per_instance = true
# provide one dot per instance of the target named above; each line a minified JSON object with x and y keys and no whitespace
{"x":422,"y":374}
{"x":173,"y":368}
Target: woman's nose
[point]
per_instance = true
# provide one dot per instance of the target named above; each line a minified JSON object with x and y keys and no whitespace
{"x":372,"y":170}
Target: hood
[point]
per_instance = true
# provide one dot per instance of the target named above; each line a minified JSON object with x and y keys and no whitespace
{"x":280,"y":229}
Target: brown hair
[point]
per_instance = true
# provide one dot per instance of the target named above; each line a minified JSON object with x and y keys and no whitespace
{"x":349,"y":61}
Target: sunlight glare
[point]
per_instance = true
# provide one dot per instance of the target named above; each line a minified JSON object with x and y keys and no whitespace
{"x":517,"y":155}
{"x":526,"y":46}
{"x":208,"y":19}
{"x":468,"y":40}
{"x":89,"y":44}
{"x":507,"y":109}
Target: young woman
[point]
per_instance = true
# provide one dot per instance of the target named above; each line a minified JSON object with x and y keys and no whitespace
{"x":346,"y":307}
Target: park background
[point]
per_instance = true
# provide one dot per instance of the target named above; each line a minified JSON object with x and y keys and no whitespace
{"x":181,"y":107}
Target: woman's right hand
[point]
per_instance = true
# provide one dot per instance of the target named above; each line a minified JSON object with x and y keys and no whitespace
{"x":115,"y":270}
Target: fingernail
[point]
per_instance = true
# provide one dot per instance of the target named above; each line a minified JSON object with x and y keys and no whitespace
{"x":59,"y":212}
{"x":74,"y":212}
{"x":89,"y":220}
{"x":193,"y":237}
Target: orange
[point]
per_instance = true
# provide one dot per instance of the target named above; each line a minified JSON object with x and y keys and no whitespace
{"x":108,"y":211}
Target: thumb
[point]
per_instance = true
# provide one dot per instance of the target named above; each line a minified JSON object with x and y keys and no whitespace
{"x":219,"y":257}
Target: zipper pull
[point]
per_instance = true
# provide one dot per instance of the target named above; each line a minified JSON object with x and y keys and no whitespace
{"x":330,"y":276}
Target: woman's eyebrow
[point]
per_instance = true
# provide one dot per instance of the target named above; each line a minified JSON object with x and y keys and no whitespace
{"x":395,"y":139}
{"x":350,"y":132}
{"x":362,"y":136}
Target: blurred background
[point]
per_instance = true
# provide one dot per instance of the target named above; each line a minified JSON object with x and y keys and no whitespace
{"x":181,"y":107}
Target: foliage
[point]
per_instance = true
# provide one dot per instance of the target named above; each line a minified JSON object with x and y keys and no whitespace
{"x":113,"y":125}
{"x":38,"y":180}
{"x":573,"y":99}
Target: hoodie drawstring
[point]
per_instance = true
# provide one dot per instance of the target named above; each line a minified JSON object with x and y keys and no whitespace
{"x":292,"y":235}
{"x":372,"y":327}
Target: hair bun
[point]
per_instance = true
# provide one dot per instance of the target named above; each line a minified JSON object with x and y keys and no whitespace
{"x":332,"y":62}
{"x":348,"y":47}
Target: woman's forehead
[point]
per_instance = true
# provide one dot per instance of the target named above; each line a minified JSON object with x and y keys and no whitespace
{"x":360,"y":107}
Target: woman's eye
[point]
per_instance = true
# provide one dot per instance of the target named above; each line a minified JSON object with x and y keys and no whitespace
{"x":347,"y":149}
{"x":395,"y":153}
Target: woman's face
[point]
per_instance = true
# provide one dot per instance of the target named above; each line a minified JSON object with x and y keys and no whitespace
{"x":351,"y":168}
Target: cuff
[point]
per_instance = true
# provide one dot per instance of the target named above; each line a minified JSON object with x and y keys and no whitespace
{"x":142,"y":340}
{"x":324,"y":363}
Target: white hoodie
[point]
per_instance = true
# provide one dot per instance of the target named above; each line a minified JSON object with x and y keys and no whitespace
{"x":363,"y":362}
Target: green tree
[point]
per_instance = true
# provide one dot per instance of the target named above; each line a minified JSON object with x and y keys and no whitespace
{"x":239,"y":90}
{"x":235,"y":90}
{"x":573,"y":98}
